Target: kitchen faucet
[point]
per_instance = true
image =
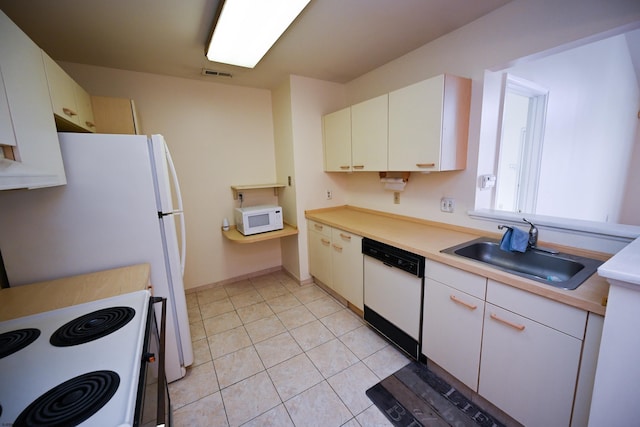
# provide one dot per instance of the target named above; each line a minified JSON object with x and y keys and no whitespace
{"x":532,"y":244}
{"x":533,"y":234}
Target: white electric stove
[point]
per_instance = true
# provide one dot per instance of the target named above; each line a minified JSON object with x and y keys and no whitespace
{"x":78,"y":365}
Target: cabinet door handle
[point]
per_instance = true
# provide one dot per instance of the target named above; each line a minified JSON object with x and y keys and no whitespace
{"x":358,"y":166}
{"x":318,"y":227}
{"x":506,"y":322}
{"x":464,"y":303}
{"x":89,"y":124}
{"x":69,"y":112}
{"x":325,"y":242}
{"x":425,"y":165}
{"x":345,"y":167}
{"x":337,"y":248}
{"x":345,"y":236}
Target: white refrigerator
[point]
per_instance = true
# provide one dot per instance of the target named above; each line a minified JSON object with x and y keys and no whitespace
{"x":116,"y":210}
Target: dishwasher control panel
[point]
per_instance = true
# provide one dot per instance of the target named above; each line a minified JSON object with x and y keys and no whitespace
{"x":395,"y":257}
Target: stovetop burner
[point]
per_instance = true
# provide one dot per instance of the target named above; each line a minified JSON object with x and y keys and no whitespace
{"x":92,"y":326}
{"x":42,"y":376}
{"x":71,"y":402}
{"x":13,"y":341}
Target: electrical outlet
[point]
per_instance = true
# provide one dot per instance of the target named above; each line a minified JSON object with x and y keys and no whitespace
{"x":329,"y":195}
{"x":396,"y":197}
{"x":447,"y":204}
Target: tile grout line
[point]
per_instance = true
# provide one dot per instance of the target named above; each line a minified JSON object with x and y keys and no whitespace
{"x":287,"y":330}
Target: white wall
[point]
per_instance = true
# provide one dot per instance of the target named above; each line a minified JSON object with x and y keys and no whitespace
{"x":219,"y":135}
{"x":630,"y":212}
{"x":304,"y":101}
{"x":310,"y":100}
{"x":519,"y":29}
{"x":285,"y":171}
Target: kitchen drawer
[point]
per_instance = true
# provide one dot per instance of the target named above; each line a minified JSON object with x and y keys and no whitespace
{"x":325,"y":230}
{"x":464,"y":281}
{"x":561,"y":317}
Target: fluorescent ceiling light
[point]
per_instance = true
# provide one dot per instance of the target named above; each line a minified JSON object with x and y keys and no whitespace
{"x":246,"y":29}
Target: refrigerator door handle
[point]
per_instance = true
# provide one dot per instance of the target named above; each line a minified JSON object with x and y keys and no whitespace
{"x":183,"y":237}
{"x":179,"y":211}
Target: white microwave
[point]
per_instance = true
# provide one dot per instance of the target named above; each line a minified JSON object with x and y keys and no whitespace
{"x":258,"y":219}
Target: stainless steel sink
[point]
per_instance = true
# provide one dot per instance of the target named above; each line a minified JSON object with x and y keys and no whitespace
{"x":561,"y":270}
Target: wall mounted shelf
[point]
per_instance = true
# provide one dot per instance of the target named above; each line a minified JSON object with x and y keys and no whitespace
{"x":235,"y":236}
{"x":238,"y":188}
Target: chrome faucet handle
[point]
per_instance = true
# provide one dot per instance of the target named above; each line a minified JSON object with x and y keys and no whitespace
{"x":502,"y":226}
{"x":533,"y":233}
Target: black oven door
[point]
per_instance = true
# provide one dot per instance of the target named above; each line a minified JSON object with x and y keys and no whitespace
{"x":153,"y":406}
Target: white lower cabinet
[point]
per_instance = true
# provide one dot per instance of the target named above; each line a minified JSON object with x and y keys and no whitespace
{"x":320,"y":252}
{"x":346,"y":258}
{"x":529,"y":365}
{"x":452,"y":321}
{"x":522,"y":352}
{"x":335,"y":259}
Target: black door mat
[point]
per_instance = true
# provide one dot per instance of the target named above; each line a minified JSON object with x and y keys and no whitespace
{"x":415,"y":396}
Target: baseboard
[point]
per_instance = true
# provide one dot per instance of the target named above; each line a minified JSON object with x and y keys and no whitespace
{"x":249,"y":276}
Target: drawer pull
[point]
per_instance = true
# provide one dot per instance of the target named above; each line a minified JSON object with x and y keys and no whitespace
{"x":69,"y":112}
{"x":426,"y":165}
{"x":464,"y":303}
{"x":337,"y":248}
{"x":358,"y":166}
{"x":506,"y":322}
{"x":318,"y":227}
{"x":345,"y":167}
{"x":345,"y":236}
{"x":325,"y":242}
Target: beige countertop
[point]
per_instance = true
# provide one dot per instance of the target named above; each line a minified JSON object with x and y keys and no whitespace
{"x":429,"y":238}
{"x":38,"y":297}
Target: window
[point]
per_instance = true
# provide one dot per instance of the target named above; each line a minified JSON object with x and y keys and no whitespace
{"x":521,"y":138}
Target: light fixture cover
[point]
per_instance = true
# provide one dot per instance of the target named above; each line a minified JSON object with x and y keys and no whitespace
{"x":246,"y":29}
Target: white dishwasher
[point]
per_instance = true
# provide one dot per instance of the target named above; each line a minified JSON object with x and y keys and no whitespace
{"x":393,"y":294}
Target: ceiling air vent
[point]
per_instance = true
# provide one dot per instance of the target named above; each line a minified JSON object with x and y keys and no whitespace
{"x":208,"y":72}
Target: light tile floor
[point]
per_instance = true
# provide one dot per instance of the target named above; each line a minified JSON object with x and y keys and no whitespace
{"x":269,"y":352}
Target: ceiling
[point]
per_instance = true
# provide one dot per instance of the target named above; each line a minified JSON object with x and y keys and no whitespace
{"x":332,"y":40}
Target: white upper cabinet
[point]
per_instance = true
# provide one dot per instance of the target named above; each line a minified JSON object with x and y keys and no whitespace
{"x":369,"y":129}
{"x":429,"y":124}
{"x":35,"y":160}
{"x":422,"y":127}
{"x":71,"y":104}
{"x":337,"y":141}
{"x":85,"y":109}
{"x":7,"y":135}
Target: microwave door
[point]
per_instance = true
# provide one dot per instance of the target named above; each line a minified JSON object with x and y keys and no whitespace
{"x":259,"y":220}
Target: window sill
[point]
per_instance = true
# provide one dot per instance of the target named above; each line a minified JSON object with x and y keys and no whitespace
{"x":621,"y":232}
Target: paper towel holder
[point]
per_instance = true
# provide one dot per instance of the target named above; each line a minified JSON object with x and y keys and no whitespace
{"x":394,"y":181}
{"x":402,"y":175}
